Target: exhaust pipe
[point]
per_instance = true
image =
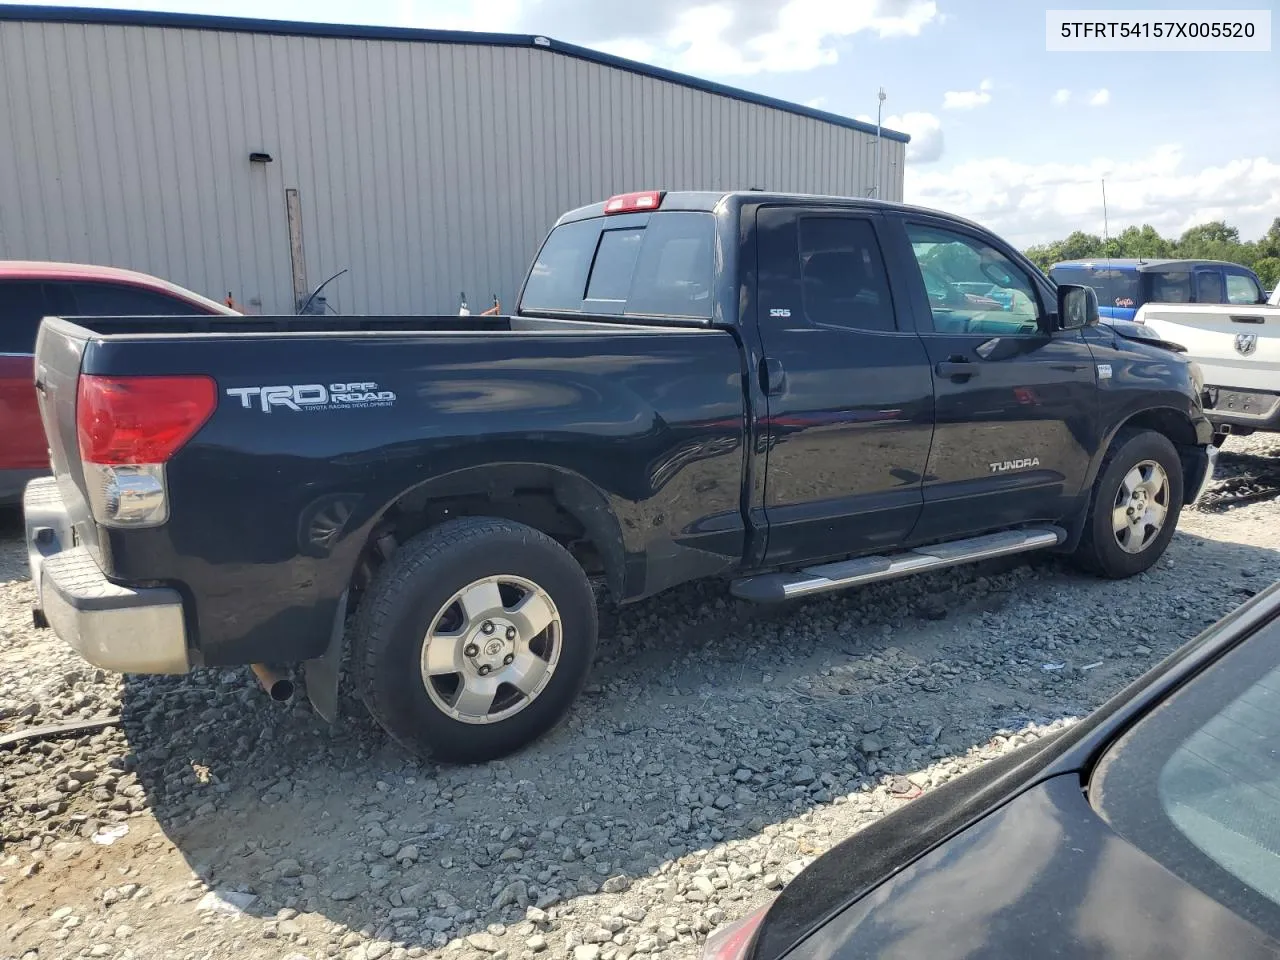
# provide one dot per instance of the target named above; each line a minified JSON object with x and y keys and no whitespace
{"x":278,"y":687}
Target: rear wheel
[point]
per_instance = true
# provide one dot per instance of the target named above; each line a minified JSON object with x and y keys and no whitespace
{"x":474,"y":639}
{"x":1137,"y":499}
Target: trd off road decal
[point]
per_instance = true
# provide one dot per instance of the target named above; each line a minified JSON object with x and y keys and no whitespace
{"x":313,"y":396}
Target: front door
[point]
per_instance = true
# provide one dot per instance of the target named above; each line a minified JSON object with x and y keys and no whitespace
{"x":1016,"y":403}
{"x":848,"y":392}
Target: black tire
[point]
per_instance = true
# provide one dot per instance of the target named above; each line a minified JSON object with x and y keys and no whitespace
{"x":1100,"y":551}
{"x":415,"y":587}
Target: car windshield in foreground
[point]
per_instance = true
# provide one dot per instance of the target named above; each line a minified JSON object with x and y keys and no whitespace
{"x":1196,"y":784}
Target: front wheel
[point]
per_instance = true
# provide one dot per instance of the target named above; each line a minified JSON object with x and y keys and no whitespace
{"x":474,"y":639}
{"x":1137,"y":499}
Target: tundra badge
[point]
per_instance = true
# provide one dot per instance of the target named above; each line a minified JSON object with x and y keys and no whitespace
{"x":1004,"y":466}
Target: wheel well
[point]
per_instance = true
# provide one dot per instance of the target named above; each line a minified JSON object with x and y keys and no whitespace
{"x":564,"y":507}
{"x":1174,"y":425}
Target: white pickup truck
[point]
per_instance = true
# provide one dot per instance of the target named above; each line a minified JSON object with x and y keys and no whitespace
{"x":1237,"y":346}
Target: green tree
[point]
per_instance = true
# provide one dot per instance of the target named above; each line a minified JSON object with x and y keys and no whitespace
{"x":1269,"y":245}
{"x":1078,"y":246}
{"x":1215,"y":240}
{"x":1211,"y":241}
{"x":1143,"y":243}
{"x":1268,"y":271}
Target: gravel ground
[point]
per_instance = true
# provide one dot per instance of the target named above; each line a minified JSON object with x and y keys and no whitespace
{"x":718,"y":750}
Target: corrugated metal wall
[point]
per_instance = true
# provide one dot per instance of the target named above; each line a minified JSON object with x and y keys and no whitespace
{"x":424,"y":168}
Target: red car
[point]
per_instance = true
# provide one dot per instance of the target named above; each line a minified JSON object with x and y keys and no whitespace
{"x":31,"y":289}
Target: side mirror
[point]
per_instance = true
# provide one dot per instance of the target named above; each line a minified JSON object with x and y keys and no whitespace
{"x":1077,"y":306}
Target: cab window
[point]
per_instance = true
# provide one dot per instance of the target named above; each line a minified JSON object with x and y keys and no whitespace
{"x":972,"y":287}
{"x":1242,"y":288}
{"x":1209,"y":287}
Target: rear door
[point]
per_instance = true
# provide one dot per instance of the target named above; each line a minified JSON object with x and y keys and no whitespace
{"x":848,"y":393}
{"x":1017,"y":404}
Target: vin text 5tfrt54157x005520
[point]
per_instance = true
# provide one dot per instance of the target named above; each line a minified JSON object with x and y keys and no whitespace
{"x":791,"y":394}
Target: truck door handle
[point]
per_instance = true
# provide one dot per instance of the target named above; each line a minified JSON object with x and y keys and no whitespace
{"x":773,"y":378}
{"x":956,"y":367}
{"x":1247,"y":319}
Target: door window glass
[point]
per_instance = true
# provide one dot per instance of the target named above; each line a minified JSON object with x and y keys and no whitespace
{"x":1243,"y":289}
{"x":1169,"y":286}
{"x":123,"y":300}
{"x":843,"y":279}
{"x":972,"y":287}
{"x":1209,"y":286}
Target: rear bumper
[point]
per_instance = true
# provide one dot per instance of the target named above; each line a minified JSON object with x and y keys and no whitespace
{"x":1250,"y":409}
{"x":127,"y":629}
{"x":13,"y":482}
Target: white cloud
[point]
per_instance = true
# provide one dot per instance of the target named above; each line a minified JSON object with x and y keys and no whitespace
{"x":817,"y":103}
{"x":1100,"y":98}
{"x":1062,"y":96}
{"x":967,"y":99}
{"x":706,"y":37}
{"x":1034,"y":203}
{"x":926,"y":134}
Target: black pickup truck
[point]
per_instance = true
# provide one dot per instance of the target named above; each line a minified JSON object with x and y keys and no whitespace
{"x":794,"y":394}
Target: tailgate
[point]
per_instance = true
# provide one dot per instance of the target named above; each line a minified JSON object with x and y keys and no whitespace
{"x":59,"y":350}
{"x":1235,"y":345}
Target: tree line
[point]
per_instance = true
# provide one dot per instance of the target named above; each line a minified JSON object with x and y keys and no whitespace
{"x":1207,"y":241}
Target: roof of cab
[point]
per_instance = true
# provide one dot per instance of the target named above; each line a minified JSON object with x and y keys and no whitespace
{"x":1143,"y":266}
{"x":62,"y":270}
{"x":710,"y":200}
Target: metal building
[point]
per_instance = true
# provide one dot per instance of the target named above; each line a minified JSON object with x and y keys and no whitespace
{"x":256,"y":158}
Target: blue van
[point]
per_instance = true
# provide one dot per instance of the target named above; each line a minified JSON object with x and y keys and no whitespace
{"x":1125,"y":285}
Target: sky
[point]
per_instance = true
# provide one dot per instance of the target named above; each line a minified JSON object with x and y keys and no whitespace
{"x":1003,"y":132}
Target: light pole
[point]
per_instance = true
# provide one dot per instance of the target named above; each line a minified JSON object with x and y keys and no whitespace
{"x":875,"y":191}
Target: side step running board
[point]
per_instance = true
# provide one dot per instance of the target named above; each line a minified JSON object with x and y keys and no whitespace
{"x":776,"y":587}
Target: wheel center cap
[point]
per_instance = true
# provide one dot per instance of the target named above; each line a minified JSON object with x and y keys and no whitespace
{"x":493,"y":647}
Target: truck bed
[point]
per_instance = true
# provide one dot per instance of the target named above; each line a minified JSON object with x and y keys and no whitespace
{"x":274,"y":498}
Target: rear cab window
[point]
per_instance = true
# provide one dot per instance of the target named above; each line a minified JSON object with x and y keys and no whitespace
{"x":659,"y":264}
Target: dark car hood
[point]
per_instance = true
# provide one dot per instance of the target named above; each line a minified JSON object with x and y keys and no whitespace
{"x":1139,"y":333}
{"x":1042,"y":876}
{"x":862,"y":865}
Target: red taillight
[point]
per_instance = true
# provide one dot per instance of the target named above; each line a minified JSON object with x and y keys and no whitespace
{"x":731,"y":942}
{"x":634,"y":202}
{"x":128,"y":420}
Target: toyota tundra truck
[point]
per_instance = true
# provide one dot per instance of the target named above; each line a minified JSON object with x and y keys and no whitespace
{"x":791,"y":394}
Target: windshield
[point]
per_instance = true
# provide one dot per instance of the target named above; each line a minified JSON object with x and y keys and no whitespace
{"x":1115,"y":287}
{"x":1196,"y":784}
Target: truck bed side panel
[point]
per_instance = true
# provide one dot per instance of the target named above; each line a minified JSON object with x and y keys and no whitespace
{"x":274,"y":499}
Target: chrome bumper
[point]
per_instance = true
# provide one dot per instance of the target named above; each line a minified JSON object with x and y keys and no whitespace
{"x":127,"y":629}
{"x":1211,"y":464}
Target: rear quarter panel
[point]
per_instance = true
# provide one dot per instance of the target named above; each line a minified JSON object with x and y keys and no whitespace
{"x":649,"y":422}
